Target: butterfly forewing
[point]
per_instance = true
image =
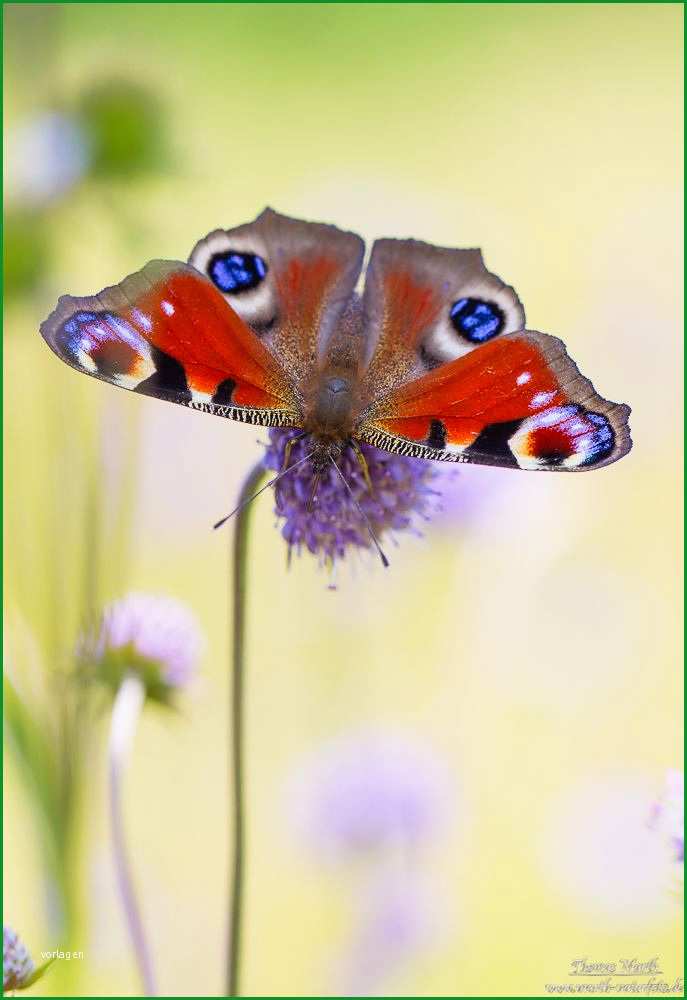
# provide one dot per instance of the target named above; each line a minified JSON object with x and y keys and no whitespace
{"x":165,"y":331}
{"x":518,"y":402}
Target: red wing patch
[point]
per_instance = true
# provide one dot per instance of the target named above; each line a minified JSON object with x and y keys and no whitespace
{"x":304,"y":286}
{"x":166,"y":331}
{"x":407,"y":308}
{"x":517,"y":401}
{"x":410,"y":306}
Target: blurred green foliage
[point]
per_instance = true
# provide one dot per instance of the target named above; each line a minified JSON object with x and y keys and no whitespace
{"x":49,"y":739}
{"x":25,"y":251}
{"x":124,"y":133}
{"x":125,"y":123}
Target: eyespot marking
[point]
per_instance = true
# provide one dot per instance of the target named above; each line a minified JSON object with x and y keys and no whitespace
{"x":567,"y":436}
{"x":477,"y":320}
{"x":234,"y":272}
{"x":104,"y":344}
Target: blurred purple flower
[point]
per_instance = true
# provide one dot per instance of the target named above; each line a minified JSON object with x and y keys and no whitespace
{"x":668,"y":814}
{"x":154,"y":636}
{"x":17,"y":964}
{"x":402,"y":494}
{"x":376,"y":798}
{"x":366,"y":792}
{"x":468,"y":494}
{"x":46,"y":156}
{"x":396,"y":922}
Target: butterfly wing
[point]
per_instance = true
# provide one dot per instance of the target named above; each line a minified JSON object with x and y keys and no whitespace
{"x":425,"y":305}
{"x":518,"y":401}
{"x":167,"y":332}
{"x":288,"y":280}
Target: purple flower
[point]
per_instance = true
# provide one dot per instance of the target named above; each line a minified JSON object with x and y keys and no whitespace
{"x":17,"y":965}
{"x":668,"y":814}
{"x":155,"y":636}
{"x":367,"y":792}
{"x":401,"y":494}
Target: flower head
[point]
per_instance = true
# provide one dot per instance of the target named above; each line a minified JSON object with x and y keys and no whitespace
{"x":401,"y":492}
{"x":17,"y":965}
{"x":155,"y":636}
{"x":369,"y":791}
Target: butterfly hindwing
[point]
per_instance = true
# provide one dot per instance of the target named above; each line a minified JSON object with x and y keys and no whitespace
{"x":517,"y":402}
{"x":288,"y":280}
{"x":426,"y":305}
{"x":165,"y":331}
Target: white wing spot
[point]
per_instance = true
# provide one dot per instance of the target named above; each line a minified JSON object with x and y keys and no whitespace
{"x":541,"y":399}
{"x":524,"y":378}
{"x":142,"y":320}
{"x":167,"y":307}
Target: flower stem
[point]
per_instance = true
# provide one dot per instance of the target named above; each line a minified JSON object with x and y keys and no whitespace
{"x":125,"y":714}
{"x":239,"y":568}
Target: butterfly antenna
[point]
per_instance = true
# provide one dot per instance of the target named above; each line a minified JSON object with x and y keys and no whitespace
{"x":385,"y":561}
{"x":262,"y":489}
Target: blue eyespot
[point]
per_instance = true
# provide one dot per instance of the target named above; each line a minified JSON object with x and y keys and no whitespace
{"x":599,"y":441}
{"x":477,"y":320}
{"x":235,"y":272}
{"x":73,"y":325}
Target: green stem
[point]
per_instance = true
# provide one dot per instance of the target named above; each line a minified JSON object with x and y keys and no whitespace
{"x":239,"y":569}
{"x":126,"y":712}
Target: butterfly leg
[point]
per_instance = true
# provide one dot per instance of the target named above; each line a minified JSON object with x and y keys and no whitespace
{"x":288,"y":449}
{"x":313,"y":493}
{"x":362,"y":461}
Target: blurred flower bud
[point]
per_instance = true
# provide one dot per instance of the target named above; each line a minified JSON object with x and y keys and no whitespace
{"x":668,"y":814}
{"x":26,"y":253}
{"x":46,"y":156}
{"x":155,"y":637}
{"x":17,"y":965}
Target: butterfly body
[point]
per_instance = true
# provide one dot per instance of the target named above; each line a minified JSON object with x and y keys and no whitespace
{"x":265,"y":325}
{"x":332,"y":397}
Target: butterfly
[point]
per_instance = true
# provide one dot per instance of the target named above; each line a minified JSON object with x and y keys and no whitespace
{"x":264,"y":325}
